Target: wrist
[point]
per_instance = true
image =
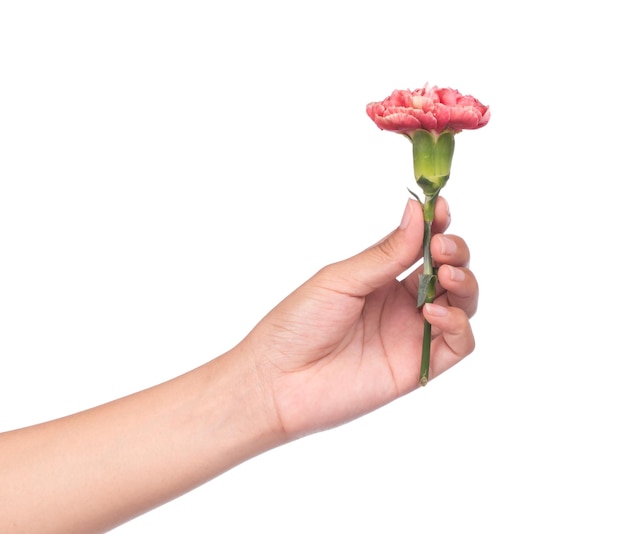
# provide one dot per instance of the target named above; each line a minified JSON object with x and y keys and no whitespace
{"x":240,"y":406}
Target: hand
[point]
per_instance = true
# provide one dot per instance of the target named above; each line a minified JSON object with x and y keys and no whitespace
{"x":349,"y":339}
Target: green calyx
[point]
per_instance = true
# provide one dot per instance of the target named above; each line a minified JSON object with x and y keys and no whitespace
{"x":432,"y":159}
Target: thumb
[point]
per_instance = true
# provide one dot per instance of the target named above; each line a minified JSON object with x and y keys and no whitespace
{"x":381,"y":263}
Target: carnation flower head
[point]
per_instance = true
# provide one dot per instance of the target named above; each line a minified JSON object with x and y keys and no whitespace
{"x":428,"y":108}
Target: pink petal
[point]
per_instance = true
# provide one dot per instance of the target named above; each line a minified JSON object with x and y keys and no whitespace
{"x":398,"y":122}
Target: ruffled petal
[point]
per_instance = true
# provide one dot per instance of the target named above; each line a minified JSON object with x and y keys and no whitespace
{"x":428,"y":108}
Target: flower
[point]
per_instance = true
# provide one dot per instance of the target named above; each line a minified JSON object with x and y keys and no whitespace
{"x":429,"y":117}
{"x":429,"y":108}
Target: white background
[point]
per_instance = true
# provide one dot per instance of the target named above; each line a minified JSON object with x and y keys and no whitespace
{"x":170,"y":170}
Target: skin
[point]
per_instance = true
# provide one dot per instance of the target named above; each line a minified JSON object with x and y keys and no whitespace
{"x":341,"y":345}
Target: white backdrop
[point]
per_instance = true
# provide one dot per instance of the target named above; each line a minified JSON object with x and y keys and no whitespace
{"x":170,"y":170}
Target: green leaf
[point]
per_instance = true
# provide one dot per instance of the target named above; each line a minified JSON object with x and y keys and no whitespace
{"x":426,"y":289}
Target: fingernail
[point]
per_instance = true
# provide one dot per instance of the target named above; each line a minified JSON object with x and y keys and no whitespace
{"x":456,"y":275}
{"x":406,"y":217}
{"x":448,"y":246}
{"x":436,"y":310}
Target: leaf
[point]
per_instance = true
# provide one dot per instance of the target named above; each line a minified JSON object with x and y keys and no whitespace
{"x":426,"y":288}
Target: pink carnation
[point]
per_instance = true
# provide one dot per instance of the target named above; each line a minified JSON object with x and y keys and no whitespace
{"x":429,"y":108}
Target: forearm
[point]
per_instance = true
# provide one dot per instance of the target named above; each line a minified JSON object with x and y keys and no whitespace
{"x":93,"y":470}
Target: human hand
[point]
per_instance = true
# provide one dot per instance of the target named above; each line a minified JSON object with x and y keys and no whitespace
{"x":349,"y":339}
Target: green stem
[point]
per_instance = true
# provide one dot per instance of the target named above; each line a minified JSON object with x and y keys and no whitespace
{"x":429,"y":215}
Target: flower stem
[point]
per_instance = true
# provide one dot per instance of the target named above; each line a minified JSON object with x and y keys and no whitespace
{"x":429,"y":278}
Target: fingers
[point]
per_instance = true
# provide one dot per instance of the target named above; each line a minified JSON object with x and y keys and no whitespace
{"x":382,"y":262}
{"x":455,"y":280}
{"x":455,"y":339}
{"x":460,"y":286}
{"x":453,"y":276}
{"x":450,"y":250}
{"x":386,"y":260}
